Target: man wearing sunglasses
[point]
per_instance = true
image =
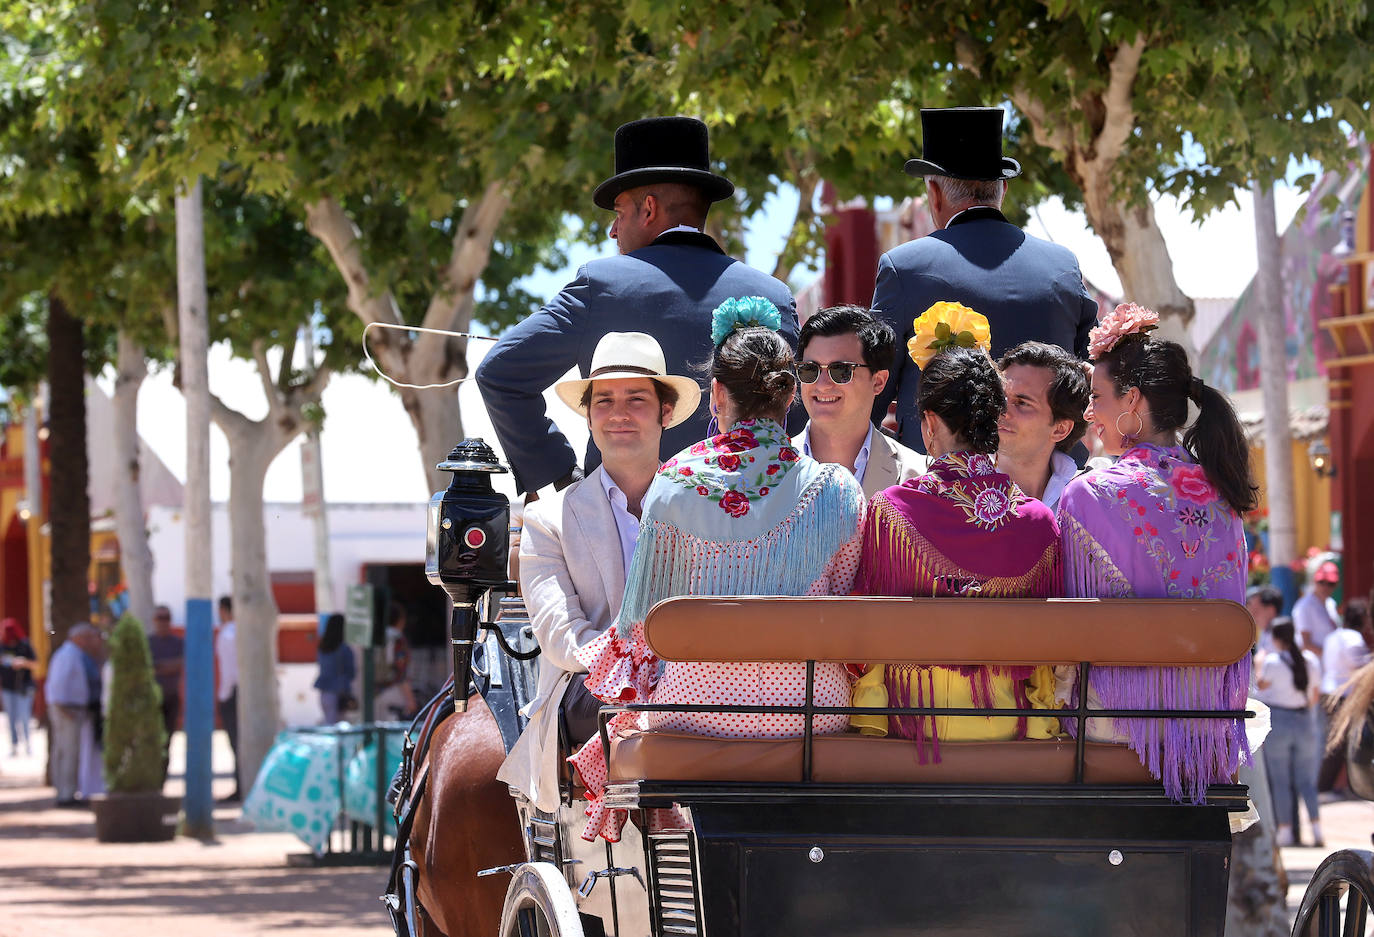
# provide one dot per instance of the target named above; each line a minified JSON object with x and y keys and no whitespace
{"x":843,"y":354}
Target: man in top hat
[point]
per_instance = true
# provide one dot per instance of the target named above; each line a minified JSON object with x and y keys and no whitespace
{"x":666,"y":280}
{"x":1029,"y":289}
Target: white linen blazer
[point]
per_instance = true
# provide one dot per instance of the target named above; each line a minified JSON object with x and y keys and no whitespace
{"x":889,"y":463}
{"x":572,"y":577}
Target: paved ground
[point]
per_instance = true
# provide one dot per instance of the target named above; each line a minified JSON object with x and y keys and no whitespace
{"x":56,"y":879}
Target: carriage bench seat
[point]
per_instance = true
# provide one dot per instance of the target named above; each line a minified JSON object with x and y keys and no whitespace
{"x":860,"y":759}
{"x":1116,"y":632}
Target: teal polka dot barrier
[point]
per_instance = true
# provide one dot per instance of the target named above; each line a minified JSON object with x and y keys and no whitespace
{"x":297,"y":790}
{"x":360,"y":783}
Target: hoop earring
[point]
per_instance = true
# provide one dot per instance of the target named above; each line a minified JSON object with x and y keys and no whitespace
{"x":1130,"y":439}
{"x":712,"y":426}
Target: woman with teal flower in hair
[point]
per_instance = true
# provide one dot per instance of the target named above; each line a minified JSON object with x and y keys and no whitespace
{"x":743,"y":512}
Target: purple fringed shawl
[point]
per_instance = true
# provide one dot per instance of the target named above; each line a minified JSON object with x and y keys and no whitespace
{"x":961,"y":529}
{"x":1152,"y":526}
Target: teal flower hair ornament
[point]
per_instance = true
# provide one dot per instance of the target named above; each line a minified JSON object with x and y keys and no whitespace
{"x":740,"y":313}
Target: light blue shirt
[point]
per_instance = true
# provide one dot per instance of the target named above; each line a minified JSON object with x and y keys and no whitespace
{"x":626,"y":524}
{"x":803,"y":439}
{"x":67,"y":684}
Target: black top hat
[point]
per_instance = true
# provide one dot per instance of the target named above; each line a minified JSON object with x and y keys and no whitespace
{"x":662,"y":149}
{"x":963,"y":143}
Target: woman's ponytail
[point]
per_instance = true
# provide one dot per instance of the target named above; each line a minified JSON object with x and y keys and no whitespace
{"x":1217,"y":441}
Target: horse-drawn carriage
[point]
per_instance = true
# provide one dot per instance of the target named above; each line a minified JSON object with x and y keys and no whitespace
{"x":859,"y":835}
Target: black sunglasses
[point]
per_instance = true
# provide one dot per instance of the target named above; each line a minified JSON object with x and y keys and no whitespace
{"x":841,"y":372}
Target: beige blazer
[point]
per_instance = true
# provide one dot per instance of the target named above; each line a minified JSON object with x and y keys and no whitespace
{"x":572,"y":577}
{"x":889,"y":463}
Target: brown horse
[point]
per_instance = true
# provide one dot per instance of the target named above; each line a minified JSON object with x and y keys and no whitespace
{"x":465,"y":822}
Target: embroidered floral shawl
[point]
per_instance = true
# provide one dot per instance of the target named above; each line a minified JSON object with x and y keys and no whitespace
{"x":741,"y":513}
{"x":1152,"y":526}
{"x":961,"y":529}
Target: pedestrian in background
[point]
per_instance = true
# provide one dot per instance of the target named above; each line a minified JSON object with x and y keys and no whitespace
{"x":72,"y":704}
{"x":1343,"y":652}
{"x":1315,"y":614}
{"x":1264,"y":603}
{"x":169,"y":660}
{"x":16,"y":682}
{"x":395,"y":699}
{"x":227,"y":654}
{"x":335,"y":681}
{"x":1289,"y":677}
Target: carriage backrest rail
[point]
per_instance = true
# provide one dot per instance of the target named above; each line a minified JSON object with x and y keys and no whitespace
{"x":956,"y":631}
{"x":948,"y":631}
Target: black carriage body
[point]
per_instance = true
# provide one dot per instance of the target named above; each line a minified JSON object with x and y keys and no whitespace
{"x":874,"y":866}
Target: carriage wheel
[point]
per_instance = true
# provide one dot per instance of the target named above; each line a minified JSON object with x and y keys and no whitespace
{"x":1337,"y":901}
{"x":539,"y":904}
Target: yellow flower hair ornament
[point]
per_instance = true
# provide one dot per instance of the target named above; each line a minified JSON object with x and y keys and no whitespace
{"x":945,"y":324}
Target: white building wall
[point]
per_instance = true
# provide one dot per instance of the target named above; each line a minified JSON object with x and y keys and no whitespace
{"x":358,"y":534}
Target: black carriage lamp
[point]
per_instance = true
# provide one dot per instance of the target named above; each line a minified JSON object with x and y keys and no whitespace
{"x":467,"y":547}
{"x":1319,"y":453}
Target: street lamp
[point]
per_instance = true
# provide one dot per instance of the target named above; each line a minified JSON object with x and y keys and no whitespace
{"x":1319,"y":453}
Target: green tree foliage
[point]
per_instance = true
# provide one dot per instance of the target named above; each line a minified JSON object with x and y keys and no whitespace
{"x":134,"y":735}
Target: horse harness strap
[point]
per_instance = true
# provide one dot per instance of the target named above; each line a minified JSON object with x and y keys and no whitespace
{"x":408,"y":788}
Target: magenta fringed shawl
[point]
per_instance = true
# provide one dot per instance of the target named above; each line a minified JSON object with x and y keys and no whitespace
{"x":1152,"y":526}
{"x":961,"y":529}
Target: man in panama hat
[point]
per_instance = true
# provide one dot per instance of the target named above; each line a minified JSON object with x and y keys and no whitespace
{"x":576,"y":544}
{"x":1030,"y":290}
{"x":665,"y":282}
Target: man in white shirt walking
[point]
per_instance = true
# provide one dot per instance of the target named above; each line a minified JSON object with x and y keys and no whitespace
{"x":843,"y":358}
{"x":1047,"y":396}
{"x":227,"y":695}
{"x":70,"y":695}
{"x":1315,"y":614}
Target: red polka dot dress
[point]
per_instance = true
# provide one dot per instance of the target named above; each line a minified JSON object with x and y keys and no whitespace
{"x":627,"y":671}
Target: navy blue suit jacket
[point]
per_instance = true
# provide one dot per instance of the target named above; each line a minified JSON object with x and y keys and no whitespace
{"x":1028,"y":289}
{"x":667,"y":289}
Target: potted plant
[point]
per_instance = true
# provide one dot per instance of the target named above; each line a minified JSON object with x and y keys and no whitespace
{"x":134,"y":810}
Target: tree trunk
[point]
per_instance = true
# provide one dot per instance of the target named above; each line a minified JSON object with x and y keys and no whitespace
{"x":134,"y":555}
{"x":1130,"y":233}
{"x":429,"y":358}
{"x":252,"y":447}
{"x":313,"y":504}
{"x":69,"y":512}
{"x":253,"y":444}
{"x":1278,"y":439}
{"x":1141,"y":258}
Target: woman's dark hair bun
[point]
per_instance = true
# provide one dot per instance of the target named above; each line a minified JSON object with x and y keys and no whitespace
{"x":755,"y":366}
{"x":962,"y":387}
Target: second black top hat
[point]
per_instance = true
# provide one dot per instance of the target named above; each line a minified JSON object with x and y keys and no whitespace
{"x":963,"y":143}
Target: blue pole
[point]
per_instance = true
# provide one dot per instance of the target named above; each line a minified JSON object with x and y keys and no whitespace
{"x":198,"y":806}
{"x":1286,"y":582}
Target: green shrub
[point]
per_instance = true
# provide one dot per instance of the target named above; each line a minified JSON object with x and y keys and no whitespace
{"x":133,"y":731}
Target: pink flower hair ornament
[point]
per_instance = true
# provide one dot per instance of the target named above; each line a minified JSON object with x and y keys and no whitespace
{"x":1126,"y":319}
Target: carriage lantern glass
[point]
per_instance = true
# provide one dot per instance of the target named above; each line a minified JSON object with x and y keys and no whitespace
{"x":467,"y":546}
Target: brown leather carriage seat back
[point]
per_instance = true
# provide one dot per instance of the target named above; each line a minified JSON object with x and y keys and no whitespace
{"x":1121,"y":632}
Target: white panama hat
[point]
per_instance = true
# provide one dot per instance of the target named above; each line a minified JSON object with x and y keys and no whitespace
{"x":626,"y":355}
